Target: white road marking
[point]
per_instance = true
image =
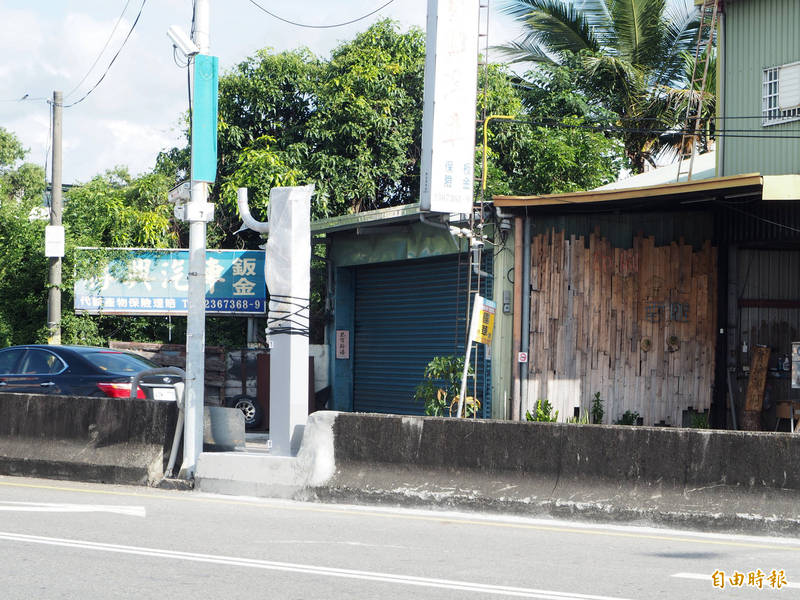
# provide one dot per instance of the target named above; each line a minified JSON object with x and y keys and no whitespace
{"x":465,"y":586}
{"x":541,"y":523}
{"x":337,"y":543}
{"x":131,"y":511}
{"x":707,"y":577}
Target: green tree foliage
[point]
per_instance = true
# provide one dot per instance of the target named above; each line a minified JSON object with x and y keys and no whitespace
{"x":707,"y":97}
{"x":23,"y":272}
{"x":22,"y":291}
{"x":116,"y":210}
{"x":366,"y":130}
{"x":627,"y":55}
{"x":264,"y":106}
{"x":22,"y":182}
{"x":351,"y":125}
{"x":547,"y":148}
{"x":11,"y":149}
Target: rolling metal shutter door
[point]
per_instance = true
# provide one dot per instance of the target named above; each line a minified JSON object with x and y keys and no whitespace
{"x":405,"y":314}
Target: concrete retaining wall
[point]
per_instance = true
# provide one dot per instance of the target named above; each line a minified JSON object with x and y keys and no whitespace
{"x":715,"y":480}
{"x":110,"y":440}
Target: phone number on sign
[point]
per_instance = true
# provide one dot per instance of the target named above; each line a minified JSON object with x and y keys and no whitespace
{"x":234,"y":304}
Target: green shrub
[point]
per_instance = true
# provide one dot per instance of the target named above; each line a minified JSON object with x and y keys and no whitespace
{"x":628,"y":418}
{"x":542,"y":412}
{"x":700,"y":421}
{"x":441,"y":386}
{"x":597,"y":409}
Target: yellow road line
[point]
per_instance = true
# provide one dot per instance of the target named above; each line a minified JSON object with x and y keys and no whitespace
{"x":412,"y":517}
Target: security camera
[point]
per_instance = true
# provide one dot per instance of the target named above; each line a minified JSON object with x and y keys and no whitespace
{"x":182,"y":41}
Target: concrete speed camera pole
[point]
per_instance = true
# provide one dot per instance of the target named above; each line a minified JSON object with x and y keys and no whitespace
{"x":288,"y":265}
{"x":287,"y":270}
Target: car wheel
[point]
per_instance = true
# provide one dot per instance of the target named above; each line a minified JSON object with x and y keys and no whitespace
{"x":253,"y":415}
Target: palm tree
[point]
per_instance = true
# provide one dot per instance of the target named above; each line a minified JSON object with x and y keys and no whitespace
{"x":705,"y":97}
{"x":630,"y":54}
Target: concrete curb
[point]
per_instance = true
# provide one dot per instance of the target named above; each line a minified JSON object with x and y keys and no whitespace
{"x":704,"y":480}
{"x":708,"y":480}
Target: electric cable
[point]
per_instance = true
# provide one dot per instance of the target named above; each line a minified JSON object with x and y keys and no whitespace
{"x":714,"y":117}
{"x":189,"y":90}
{"x":50,"y":105}
{"x":25,"y":98}
{"x":296,"y":24}
{"x":108,"y":68}
{"x":96,"y":60}
{"x":175,"y":59}
{"x":762,"y":219}
{"x":599,"y":128}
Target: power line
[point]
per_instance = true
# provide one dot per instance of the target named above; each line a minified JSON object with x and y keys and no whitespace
{"x":25,"y":98}
{"x":96,"y":60}
{"x":296,"y":24}
{"x":758,"y":218}
{"x":49,"y":139}
{"x":108,"y":68}
{"x":711,"y":118}
{"x":604,"y":128}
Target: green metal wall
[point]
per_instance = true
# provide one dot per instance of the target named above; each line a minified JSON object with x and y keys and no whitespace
{"x":758,"y":34}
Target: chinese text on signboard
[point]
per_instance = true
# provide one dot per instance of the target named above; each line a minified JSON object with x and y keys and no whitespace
{"x":155,"y":282}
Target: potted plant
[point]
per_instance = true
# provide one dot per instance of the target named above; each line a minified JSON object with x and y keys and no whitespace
{"x":440,"y":388}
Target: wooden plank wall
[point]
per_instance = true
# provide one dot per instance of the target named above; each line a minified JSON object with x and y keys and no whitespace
{"x":636,"y":325}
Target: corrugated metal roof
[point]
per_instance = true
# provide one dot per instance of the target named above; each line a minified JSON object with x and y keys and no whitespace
{"x":381,"y":216}
{"x":705,"y":167}
{"x":774,"y":187}
{"x":705,"y":188}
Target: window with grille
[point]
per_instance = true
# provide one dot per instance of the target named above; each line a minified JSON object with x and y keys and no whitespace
{"x":781,"y":94}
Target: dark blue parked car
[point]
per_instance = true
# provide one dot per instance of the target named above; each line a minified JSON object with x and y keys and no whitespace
{"x":80,"y":371}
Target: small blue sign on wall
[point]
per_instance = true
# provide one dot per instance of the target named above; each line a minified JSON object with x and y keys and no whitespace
{"x":156,"y":282}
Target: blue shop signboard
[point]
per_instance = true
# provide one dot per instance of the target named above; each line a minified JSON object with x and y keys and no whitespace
{"x":156,"y":282}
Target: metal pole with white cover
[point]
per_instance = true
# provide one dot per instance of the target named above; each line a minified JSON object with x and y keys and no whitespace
{"x":197,"y":211}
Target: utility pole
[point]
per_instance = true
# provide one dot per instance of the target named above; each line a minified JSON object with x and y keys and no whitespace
{"x":197,"y":215}
{"x":56,"y":206}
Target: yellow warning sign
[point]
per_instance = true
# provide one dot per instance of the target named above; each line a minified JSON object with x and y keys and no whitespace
{"x":487,"y":310}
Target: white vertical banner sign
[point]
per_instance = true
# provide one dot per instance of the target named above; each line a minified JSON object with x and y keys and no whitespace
{"x":449,"y":106}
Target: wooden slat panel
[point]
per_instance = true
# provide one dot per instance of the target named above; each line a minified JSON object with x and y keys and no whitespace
{"x":591,"y":307}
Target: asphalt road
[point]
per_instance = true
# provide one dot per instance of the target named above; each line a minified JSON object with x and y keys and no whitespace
{"x":73,"y":540}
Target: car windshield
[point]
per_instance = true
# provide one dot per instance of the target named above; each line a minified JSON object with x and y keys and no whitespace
{"x":119,"y":362}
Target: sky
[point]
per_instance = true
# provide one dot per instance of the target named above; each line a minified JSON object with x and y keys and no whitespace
{"x":136,"y":110}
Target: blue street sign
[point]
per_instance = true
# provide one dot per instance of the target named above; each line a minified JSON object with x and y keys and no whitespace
{"x":204,"y":118}
{"x":156,"y":282}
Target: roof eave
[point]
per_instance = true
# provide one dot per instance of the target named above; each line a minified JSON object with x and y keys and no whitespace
{"x":716,"y":186}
